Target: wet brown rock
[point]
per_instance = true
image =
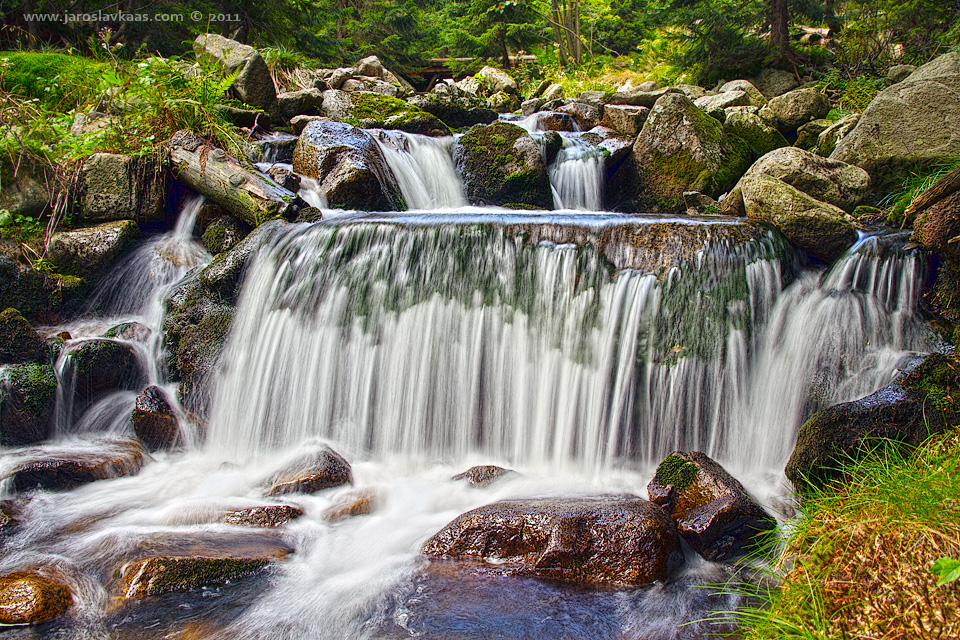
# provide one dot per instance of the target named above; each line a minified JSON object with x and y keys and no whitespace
{"x":556,"y":121}
{"x":154,"y":421}
{"x":621,"y":540}
{"x":587,"y":115}
{"x":103,"y":365}
{"x":165,"y":574}
{"x":271,"y":515}
{"x":355,"y":503}
{"x":19,"y":341}
{"x":713,"y":511}
{"x":27,"y":399}
{"x":9,"y":516}
{"x":29,"y":597}
{"x":60,"y":469}
{"x":312,"y":473}
{"x":484,"y":475}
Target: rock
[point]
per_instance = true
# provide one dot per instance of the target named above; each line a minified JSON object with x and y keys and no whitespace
{"x":285,"y":178}
{"x":339,"y":76}
{"x":721,"y":101}
{"x":349,"y":165}
{"x":30,"y":597}
{"x":617,"y":147}
{"x":713,"y":511}
{"x":61,"y":469}
{"x":372,"y":67}
{"x":827,"y":180}
{"x":899,"y":73}
{"x":791,"y":110}
{"x":530,"y":107}
{"x":586,"y":115}
{"x":224,"y":233}
{"x":28,"y":395}
{"x":371,"y":85}
{"x":757,"y":99}
{"x":913,"y":124}
{"x":501,"y":165}
{"x":102,"y":365}
{"x":649,"y":85}
{"x":372,"y":110}
{"x":92,"y":122}
{"x":253,"y":84}
{"x":625,"y":119}
{"x":37,"y":295}
{"x":552,"y":143}
{"x":622,"y":541}
{"x":356,"y":503}
{"x":556,"y":121}
{"x":775,"y":82}
{"x":498,"y":81}
{"x":553,"y":92}
{"x":944,"y":69}
{"x":504,"y":102}
{"x":829,"y":137}
{"x":136,"y":331}
{"x":936,"y":227}
{"x":821,"y":229}
{"x":483,"y":476}
{"x":19,"y":341}
{"x":592,"y":97}
{"x":297,"y":103}
{"x":9,"y":517}
{"x":183,"y":564}
{"x":311,"y":473}
{"x":154,"y":420}
{"x":456,"y":113}
{"x":24,"y":195}
{"x":119,"y":187}
{"x":906,"y":412}
{"x":759,"y":136}
{"x":88,"y":252}
{"x":299,"y":123}
{"x":267,"y":516}
{"x":809,"y":134}
{"x":683,"y":149}
{"x":698,"y":204}
{"x":640,"y":98}
{"x":470,"y":86}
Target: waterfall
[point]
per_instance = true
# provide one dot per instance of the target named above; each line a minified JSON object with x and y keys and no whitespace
{"x":577,"y":175}
{"x":423,"y":168}
{"x":439,"y":342}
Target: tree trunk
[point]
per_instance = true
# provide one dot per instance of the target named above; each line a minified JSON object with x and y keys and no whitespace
{"x":30,"y":7}
{"x":558,"y":33}
{"x":502,"y":36}
{"x":779,"y":29}
{"x":211,"y":172}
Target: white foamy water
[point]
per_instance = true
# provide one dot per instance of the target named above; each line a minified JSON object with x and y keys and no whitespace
{"x":424,"y":169}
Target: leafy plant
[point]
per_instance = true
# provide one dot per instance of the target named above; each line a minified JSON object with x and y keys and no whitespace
{"x":946,"y":569}
{"x":917,"y":182}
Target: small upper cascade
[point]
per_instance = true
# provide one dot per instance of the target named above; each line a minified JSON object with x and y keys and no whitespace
{"x":577,"y":175}
{"x":424,"y":169}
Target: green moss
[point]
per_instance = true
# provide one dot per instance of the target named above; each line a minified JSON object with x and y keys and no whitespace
{"x":760,"y":138}
{"x":390,"y":113}
{"x":182,"y":574}
{"x":57,"y":80}
{"x":936,"y":381}
{"x":677,"y":471}
{"x":489,"y":156}
{"x":36,"y":384}
{"x":733,"y":164}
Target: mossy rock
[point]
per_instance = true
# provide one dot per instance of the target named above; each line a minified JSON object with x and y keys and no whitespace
{"x":503,"y":166}
{"x":58,"y":468}
{"x":88,"y":252}
{"x":165,"y":574}
{"x":676,"y":471}
{"x":27,"y":399}
{"x":680,"y":149}
{"x":223,"y":234}
{"x":39,"y":296}
{"x":759,"y":136}
{"x":374,"y":110}
{"x":105,"y":365}
{"x":19,"y":341}
{"x":57,"y":80}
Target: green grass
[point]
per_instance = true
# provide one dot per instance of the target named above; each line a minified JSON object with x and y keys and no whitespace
{"x":858,"y":564}
{"x":58,"y":81}
{"x":916,"y":183}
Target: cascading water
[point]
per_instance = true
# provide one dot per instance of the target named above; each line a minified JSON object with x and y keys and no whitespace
{"x":577,"y":176}
{"x":423,"y":168}
{"x":418,"y":346}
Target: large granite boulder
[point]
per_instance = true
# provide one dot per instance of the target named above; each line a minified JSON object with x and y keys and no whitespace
{"x":28,"y":394}
{"x":36,"y":294}
{"x":617,"y":540}
{"x":502,"y":165}
{"x":757,"y":99}
{"x":915,"y":406}
{"x":829,"y":138}
{"x":63,"y":468}
{"x":682,"y":149}
{"x":915,"y":122}
{"x":497,"y":81}
{"x":88,"y":252}
{"x":587,"y":116}
{"x":713,"y":511}
{"x":722,"y":101}
{"x":775,"y":82}
{"x":788,"y":112}
{"x":349,"y":166}
{"x":19,"y":341}
{"x":102,"y":365}
{"x":31,"y":597}
{"x":313,"y":472}
{"x":154,"y":420}
{"x":456,"y":112}
{"x":253,"y":84}
{"x":120,"y":187}
{"x":827,"y":180}
{"x":371,"y":67}
{"x":754,"y":130}
{"x":307,"y":102}
{"x":372,"y":110}
{"x":823,"y":230}
{"x":624,"y":119}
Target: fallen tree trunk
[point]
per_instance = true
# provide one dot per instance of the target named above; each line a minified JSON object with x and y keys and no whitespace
{"x":937,"y":192}
{"x":249,"y":196}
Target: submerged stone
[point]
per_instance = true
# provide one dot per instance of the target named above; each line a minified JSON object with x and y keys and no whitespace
{"x":360,"y":502}
{"x":484,"y":475}
{"x":622,"y":541}
{"x":62,"y":468}
{"x":271,"y":515}
{"x":311,"y":473}
{"x":29,"y":597}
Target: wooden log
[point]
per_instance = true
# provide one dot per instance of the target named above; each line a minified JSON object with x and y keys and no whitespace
{"x":937,"y":192}
{"x":251,"y":197}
